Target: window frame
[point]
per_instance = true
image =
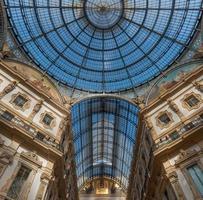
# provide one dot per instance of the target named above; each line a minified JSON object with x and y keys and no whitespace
{"x":185,"y":103}
{"x":25,"y":106}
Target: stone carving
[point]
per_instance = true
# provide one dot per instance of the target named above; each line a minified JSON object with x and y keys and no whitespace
{"x":139,"y":101}
{"x":36,"y":109}
{"x":175,"y":108}
{"x":1,"y":142}
{"x":63,"y":124}
{"x":10,"y":87}
{"x":183,"y":155}
{"x":32,"y":156}
{"x":148,"y":123}
{"x":6,"y":52}
{"x":198,"y":85}
{"x":68,"y":102}
{"x":5,"y":157}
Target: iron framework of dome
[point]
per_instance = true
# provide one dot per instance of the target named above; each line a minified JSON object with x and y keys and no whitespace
{"x":104,"y":45}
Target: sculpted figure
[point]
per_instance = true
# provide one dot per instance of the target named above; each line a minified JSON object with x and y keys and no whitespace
{"x":11,"y":86}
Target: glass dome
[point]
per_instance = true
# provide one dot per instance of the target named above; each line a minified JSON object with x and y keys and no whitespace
{"x":104,"y":45}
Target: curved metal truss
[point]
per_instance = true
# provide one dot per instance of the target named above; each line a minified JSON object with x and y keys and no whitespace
{"x":104,"y":45}
{"x":104,"y":133}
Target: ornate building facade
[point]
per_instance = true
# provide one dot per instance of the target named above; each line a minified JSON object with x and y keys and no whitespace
{"x":101,"y":99}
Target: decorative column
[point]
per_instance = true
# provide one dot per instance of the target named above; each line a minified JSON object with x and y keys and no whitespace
{"x":43,"y":186}
{"x":173,"y":178}
{"x":6,"y":158}
{"x":27,"y":187}
{"x":10,"y":87}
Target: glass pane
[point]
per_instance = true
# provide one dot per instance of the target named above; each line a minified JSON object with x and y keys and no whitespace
{"x":197,"y":176}
{"x":18,"y":182}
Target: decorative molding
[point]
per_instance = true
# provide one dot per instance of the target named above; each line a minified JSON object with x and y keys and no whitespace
{"x":139,"y":101}
{"x":198,"y":85}
{"x":175,"y":108}
{"x":186,"y":105}
{"x":185,"y":155}
{"x":31,"y":157}
{"x":162,"y":125}
{"x":10,"y":87}
{"x":53,"y":122}
{"x":26,"y":104}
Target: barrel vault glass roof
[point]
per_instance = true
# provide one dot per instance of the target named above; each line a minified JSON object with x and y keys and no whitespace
{"x":104,"y":45}
{"x":104,"y":133}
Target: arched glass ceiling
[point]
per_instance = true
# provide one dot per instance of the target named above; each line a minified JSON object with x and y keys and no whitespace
{"x":104,"y":45}
{"x":104,"y":134}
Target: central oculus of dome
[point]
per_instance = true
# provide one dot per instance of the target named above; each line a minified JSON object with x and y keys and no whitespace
{"x":103,"y":14}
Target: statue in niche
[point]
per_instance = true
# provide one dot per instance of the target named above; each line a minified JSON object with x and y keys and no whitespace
{"x":36,"y":108}
{"x":5,"y":157}
{"x":11,"y":86}
{"x":6,"y":52}
{"x":64,"y":123}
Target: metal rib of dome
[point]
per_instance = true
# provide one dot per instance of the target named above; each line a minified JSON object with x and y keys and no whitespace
{"x":104,"y":134}
{"x":100,"y":45}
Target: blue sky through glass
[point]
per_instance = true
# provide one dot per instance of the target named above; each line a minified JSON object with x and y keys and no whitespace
{"x":104,"y":133}
{"x":133,"y":42}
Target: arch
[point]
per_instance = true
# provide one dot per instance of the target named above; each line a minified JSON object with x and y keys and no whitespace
{"x":103,"y":132}
{"x":35,"y":77}
{"x":172,"y":77}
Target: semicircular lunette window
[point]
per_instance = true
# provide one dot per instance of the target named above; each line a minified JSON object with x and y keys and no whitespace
{"x":104,"y":134}
{"x":104,"y":45}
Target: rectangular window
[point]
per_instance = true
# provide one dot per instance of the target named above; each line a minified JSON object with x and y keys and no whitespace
{"x":192,"y":101}
{"x":7,"y":115}
{"x":164,"y":118}
{"x":197,"y":176}
{"x":47,"y":119}
{"x":20,"y":101}
{"x":18,"y":182}
{"x":174,"y":135}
